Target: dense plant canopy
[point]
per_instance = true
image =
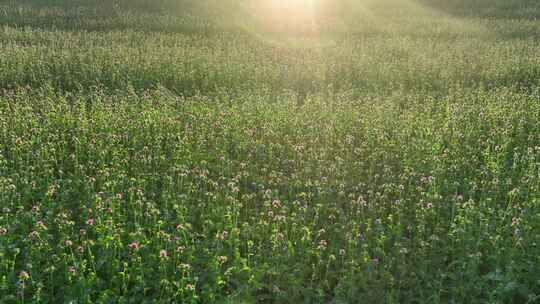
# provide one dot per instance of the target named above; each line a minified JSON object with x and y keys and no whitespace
{"x":241,"y":151}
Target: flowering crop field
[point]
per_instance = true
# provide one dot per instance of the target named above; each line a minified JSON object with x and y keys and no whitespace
{"x":269,"y":151}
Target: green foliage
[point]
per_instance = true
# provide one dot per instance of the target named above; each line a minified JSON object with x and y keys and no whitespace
{"x":163,"y":151}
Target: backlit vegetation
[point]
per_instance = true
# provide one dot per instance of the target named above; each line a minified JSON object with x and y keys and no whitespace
{"x":224,"y":151}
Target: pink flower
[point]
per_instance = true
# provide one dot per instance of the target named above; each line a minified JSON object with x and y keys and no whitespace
{"x":72,"y":269}
{"x":222,"y":259}
{"x":23,"y":275}
{"x":90,"y":222}
{"x":515,"y":221}
{"x":68,"y":243}
{"x":134,"y":245}
{"x":427,"y":179}
{"x":163,"y":254}
{"x":190,"y":287}
{"x":41,"y":224}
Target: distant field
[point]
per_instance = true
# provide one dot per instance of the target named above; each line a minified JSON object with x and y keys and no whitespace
{"x":269,"y":151}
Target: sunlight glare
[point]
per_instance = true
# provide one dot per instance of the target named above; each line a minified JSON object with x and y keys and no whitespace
{"x":294,"y":4}
{"x":287,"y":15}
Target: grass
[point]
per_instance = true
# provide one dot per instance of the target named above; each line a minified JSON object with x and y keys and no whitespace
{"x":173,"y":152}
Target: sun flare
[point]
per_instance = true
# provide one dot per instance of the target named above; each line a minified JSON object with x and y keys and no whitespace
{"x":286,"y":15}
{"x":294,"y":4}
